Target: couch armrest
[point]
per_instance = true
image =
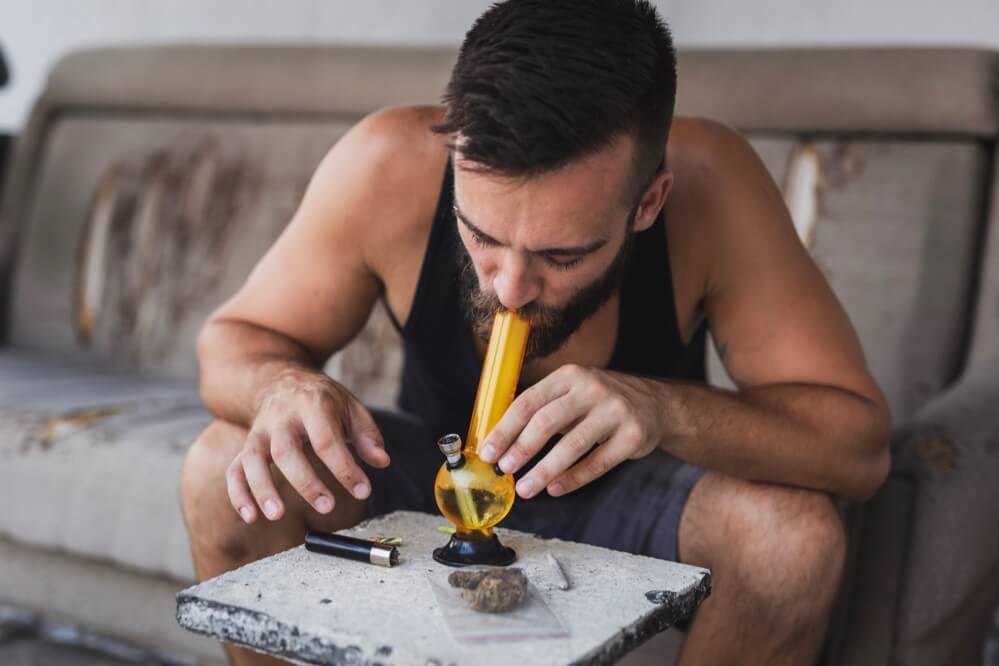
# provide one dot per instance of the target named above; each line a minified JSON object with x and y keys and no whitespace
{"x":921,"y":573}
{"x":955,"y":433}
{"x":950,"y":578}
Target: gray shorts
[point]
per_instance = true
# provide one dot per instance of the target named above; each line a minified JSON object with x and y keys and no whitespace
{"x":635,"y":508}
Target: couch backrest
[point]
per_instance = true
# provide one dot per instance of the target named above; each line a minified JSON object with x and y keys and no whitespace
{"x":894,"y":224}
{"x":885,"y":158}
{"x":149,"y":181}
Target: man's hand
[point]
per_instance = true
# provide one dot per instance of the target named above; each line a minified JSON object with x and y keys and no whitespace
{"x":303,"y":408}
{"x":620,"y":414}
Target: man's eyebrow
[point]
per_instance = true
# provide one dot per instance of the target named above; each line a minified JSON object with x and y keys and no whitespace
{"x":570,"y":251}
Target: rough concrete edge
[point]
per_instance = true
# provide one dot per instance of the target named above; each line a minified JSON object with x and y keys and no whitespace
{"x":671,"y":608}
{"x":260,"y":631}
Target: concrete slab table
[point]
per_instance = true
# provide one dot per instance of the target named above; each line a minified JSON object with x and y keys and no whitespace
{"x":316,"y":609}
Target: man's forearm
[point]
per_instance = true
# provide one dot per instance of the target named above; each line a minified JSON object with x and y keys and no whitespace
{"x":804,"y":435}
{"x":238,"y":362}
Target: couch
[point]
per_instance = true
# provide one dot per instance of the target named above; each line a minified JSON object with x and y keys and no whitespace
{"x":148,"y":181}
{"x":4,"y":136}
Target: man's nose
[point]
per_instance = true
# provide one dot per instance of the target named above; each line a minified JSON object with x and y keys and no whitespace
{"x":513,"y":284}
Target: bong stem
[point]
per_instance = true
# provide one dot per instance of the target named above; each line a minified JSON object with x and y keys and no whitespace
{"x":466,"y":506}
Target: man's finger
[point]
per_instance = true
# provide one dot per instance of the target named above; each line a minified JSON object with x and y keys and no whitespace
{"x":330,"y":444}
{"x":239,"y":492}
{"x":601,"y":460}
{"x":547,"y":422}
{"x":517,"y":416}
{"x":573,"y":446}
{"x":256,"y":466}
{"x":289,"y":457}
{"x":367,"y":438}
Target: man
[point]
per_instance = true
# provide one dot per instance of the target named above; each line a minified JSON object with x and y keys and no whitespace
{"x":553,"y":182}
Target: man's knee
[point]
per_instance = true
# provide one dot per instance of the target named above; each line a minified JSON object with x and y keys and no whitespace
{"x":202,"y":478}
{"x":774,"y":542}
{"x":204,"y":498}
{"x":218,"y":534}
{"x":793,"y":543}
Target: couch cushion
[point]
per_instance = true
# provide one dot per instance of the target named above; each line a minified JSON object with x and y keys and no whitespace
{"x":894,"y":225}
{"x":112,"y":601}
{"x":140,"y":227}
{"x":90,"y":460}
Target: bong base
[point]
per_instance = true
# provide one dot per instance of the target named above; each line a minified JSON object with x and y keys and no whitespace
{"x":461,"y":551}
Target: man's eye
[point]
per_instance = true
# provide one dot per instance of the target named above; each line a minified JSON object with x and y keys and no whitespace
{"x":482,"y":241}
{"x":563,"y":265}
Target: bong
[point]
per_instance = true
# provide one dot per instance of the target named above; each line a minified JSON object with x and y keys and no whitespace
{"x":471,"y":493}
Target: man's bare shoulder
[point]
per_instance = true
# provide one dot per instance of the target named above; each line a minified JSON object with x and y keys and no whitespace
{"x":395,"y":142}
{"x":387,"y":161}
{"x":720,"y":181}
{"x":362,"y":223}
{"x":392,"y":163}
{"x":705,"y":152}
{"x":722,"y":195}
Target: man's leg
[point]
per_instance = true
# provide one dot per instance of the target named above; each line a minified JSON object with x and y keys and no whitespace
{"x":776,"y":556}
{"x":220,"y":540}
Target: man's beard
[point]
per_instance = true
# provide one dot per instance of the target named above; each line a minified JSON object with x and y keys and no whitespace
{"x":551,"y":326}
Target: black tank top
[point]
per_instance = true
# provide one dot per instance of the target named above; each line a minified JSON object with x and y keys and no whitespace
{"x":441,"y":368}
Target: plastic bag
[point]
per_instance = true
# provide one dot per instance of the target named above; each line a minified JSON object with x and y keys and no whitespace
{"x":532,"y":619}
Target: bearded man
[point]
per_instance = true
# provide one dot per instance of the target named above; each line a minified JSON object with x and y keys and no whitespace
{"x":554,"y":181}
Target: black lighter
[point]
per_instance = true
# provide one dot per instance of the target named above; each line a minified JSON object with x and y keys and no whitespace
{"x":352,"y":548}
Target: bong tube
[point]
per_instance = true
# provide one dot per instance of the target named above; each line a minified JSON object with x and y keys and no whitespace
{"x":500,"y":374}
{"x":497,"y":387}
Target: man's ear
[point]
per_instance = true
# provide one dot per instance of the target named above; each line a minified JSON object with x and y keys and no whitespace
{"x":653,"y":199}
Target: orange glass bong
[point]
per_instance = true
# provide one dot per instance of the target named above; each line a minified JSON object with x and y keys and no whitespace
{"x":471,"y":493}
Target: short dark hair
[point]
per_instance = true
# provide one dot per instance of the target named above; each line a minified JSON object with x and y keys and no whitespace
{"x":540,"y":83}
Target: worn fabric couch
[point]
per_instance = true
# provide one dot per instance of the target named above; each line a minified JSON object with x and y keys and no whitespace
{"x":4,"y":136}
{"x":148,"y":181}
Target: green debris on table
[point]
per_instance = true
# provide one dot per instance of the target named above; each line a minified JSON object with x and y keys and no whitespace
{"x":388,"y":540}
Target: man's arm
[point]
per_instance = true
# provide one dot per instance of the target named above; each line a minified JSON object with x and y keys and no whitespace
{"x":307,"y":297}
{"x":807,"y":412}
{"x":261,"y":352}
